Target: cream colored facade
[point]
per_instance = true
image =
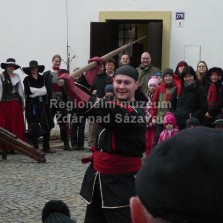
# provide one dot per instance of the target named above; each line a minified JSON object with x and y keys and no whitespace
{"x":38,"y":29}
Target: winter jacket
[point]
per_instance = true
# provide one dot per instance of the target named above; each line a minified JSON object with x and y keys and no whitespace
{"x":191,"y":102}
{"x":165,"y":134}
{"x":161,"y":101}
{"x":144,"y":75}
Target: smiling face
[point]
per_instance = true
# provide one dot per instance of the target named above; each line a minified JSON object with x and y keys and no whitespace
{"x":110,"y":67}
{"x":56,"y":62}
{"x":215,"y":77}
{"x":124,"y":87}
{"x":145,"y":59}
{"x":168,"y":79}
{"x":125,"y":59}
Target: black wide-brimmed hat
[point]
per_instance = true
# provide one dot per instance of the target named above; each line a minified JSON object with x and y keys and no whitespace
{"x":34,"y":131}
{"x":10,"y":61}
{"x":33,"y":64}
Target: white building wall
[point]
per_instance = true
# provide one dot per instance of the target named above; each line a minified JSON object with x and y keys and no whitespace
{"x":33,"y":29}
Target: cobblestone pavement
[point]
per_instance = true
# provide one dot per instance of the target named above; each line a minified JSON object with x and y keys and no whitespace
{"x":25,"y":185}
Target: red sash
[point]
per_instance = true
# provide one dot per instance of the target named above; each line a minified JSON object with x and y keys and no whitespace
{"x":108,"y":163}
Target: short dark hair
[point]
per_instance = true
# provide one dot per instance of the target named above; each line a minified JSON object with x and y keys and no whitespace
{"x":110,"y":60}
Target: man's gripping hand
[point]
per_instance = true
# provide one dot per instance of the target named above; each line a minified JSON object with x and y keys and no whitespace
{"x":91,"y":74}
{"x":72,"y":89}
{"x":98,"y":60}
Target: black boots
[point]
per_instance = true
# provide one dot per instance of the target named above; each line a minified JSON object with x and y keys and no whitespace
{"x":65,"y":137}
{"x":46,"y":145}
{"x":35,"y":144}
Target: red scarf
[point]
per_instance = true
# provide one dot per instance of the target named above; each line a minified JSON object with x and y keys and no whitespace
{"x":58,"y":70}
{"x":212,"y":96}
{"x":56,"y":87}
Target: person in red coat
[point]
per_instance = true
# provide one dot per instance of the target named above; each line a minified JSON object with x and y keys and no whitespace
{"x":150,"y":129}
{"x":177,"y":74}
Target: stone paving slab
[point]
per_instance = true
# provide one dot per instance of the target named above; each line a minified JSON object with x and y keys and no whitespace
{"x":25,"y":185}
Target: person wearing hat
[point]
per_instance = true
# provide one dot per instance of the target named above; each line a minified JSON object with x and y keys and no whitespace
{"x":161,"y":101}
{"x":151,"y":129}
{"x":192,"y":100}
{"x":159,"y":77}
{"x":170,"y":127}
{"x":218,"y":123}
{"x":58,"y":100}
{"x":37,"y":110}
{"x":56,"y":211}
{"x":182,"y":180}
{"x":11,"y":101}
{"x":192,"y":123}
{"x":177,"y":74}
{"x":214,"y":90}
{"x":109,"y":92}
{"x":109,"y":180}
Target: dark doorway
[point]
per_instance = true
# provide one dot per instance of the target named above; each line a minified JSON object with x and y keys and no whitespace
{"x":107,"y":36}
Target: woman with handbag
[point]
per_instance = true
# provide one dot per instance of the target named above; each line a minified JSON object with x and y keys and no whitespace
{"x":38,"y":113}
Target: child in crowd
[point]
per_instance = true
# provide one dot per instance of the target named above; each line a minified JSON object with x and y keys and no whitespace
{"x":170,"y":127}
{"x":151,"y":129}
{"x":109,"y":92}
{"x":159,"y":77}
{"x":192,"y":123}
{"x":161,"y":101}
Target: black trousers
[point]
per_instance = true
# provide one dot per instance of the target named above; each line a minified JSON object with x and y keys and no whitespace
{"x":77,"y":129}
{"x":96,"y":214}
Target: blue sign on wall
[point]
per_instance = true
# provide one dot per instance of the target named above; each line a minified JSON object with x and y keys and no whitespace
{"x":180,"y":15}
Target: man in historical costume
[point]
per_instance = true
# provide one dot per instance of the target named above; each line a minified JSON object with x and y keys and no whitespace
{"x":37,"y":108}
{"x":59,"y":99}
{"x":109,"y":180}
{"x":11,"y":102}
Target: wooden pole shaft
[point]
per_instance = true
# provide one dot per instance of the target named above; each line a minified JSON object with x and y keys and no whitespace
{"x":105,"y":57}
